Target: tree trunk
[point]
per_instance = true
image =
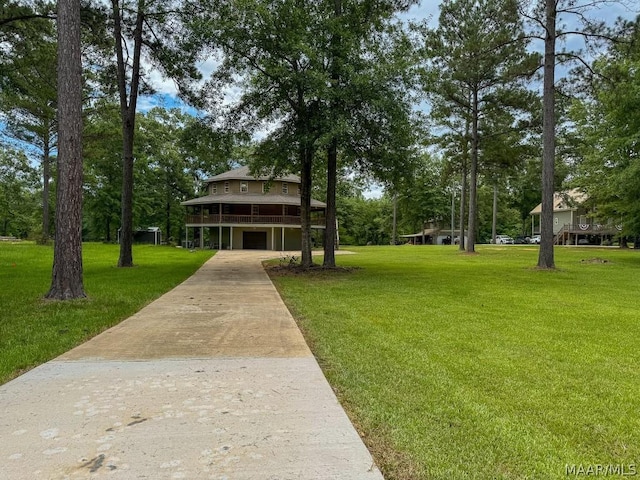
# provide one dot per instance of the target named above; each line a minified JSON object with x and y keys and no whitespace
{"x":330,"y":227}
{"x":306,"y":156}
{"x":128,"y":102}
{"x":66,"y":282}
{"x":332,"y":152}
{"x":473,"y":176}
{"x":126,"y":227}
{"x":463,"y":202}
{"x":546,"y":254}
{"x":623,"y":242}
{"x":168,"y":225}
{"x":494,"y":219}
{"x":394,"y":227}
{"x":46,"y":188}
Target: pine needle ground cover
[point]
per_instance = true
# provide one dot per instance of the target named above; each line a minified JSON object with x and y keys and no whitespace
{"x":34,"y":330}
{"x":458,"y":366}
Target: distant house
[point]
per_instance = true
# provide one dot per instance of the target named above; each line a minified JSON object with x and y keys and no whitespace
{"x":241,"y":211}
{"x":433,"y":236}
{"x":151,"y":235}
{"x":573,"y":222}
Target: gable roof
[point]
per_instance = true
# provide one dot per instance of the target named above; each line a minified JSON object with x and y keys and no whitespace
{"x":244,"y":173}
{"x":251,"y":198}
{"x":564,"y":201}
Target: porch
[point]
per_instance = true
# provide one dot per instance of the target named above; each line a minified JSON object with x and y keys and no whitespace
{"x":586,"y":234}
{"x":211,"y":219}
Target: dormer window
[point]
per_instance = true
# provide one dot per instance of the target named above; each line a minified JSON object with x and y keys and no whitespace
{"x":244,"y":187}
{"x":226,"y":187}
{"x":213,"y":188}
{"x":285,"y":188}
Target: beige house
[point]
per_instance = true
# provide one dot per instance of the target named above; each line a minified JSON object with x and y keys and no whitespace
{"x":241,"y":211}
{"x":573,"y":222}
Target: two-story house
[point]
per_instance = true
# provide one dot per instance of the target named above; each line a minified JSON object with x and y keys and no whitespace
{"x":574,"y":223}
{"x":241,"y":211}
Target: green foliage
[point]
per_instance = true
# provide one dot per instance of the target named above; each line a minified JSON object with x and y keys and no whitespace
{"x":33,"y":331}
{"x":102,"y":172}
{"x":608,"y":123}
{"x":166,"y":171}
{"x":509,"y":221}
{"x":18,"y":194}
{"x":474,"y":64}
{"x":480,"y":367}
{"x":424,"y":197}
{"x":365,"y":221}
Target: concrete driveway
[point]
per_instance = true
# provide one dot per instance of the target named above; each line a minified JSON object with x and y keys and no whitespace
{"x":211,"y":381}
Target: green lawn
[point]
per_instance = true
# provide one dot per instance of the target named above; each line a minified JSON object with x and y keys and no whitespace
{"x":34,"y":330}
{"x":457,"y":366}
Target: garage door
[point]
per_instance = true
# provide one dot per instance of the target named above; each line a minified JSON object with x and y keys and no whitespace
{"x":254,"y":240}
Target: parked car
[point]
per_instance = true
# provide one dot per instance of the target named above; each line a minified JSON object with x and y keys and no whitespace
{"x":503,"y":240}
{"x":521,"y":240}
{"x":535,"y":239}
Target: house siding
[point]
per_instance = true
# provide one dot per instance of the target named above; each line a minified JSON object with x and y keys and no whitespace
{"x":226,"y":218}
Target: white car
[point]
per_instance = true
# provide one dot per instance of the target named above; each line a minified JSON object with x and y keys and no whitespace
{"x":503,"y":240}
{"x":535,"y":239}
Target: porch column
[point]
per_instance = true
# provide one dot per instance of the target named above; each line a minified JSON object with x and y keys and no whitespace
{"x":219,"y":237}
{"x":230,"y":238}
{"x":186,"y":237}
{"x":283,"y":239}
{"x":202,"y":237}
{"x":273,"y":238}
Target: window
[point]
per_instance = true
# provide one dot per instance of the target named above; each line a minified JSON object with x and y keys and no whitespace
{"x":244,"y":187}
{"x":226,"y":187}
{"x":285,"y":188}
{"x":255,"y":210}
{"x":298,"y":189}
{"x":265,"y":187}
{"x":214,"y":188}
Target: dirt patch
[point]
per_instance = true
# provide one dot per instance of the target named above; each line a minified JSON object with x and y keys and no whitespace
{"x":595,"y":260}
{"x":313,"y":271}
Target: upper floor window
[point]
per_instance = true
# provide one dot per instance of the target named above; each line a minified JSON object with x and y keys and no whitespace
{"x":265,"y":187}
{"x":214,"y":188}
{"x":285,"y":188}
{"x":244,"y":187}
{"x":226,"y":187}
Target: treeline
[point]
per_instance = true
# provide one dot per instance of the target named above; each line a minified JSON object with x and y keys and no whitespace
{"x":330,"y":89}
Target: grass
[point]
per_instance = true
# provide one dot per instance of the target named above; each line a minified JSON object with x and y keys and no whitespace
{"x":34,"y":330}
{"x":458,"y":366}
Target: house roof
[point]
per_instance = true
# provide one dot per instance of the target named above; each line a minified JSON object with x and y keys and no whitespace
{"x":251,"y":198}
{"x":431,"y":232}
{"x":564,"y":201}
{"x":243,"y":173}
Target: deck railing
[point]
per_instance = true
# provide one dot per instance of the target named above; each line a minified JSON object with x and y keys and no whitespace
{"x":591,"y":228}
{"x":568,"y":229}
{"x":216,"y":219}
